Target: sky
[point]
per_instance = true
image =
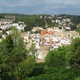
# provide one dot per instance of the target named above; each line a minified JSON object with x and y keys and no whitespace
{"x":40,"y":6}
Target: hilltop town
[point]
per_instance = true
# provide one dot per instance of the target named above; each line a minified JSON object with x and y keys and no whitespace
{"x":59,"y":32}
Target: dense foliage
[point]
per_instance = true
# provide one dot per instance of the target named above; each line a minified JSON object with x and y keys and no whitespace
{"x":58,"y":73}
{"x":75,"y":49}
{"x":15,"y":62}
{"x":58,"y":57}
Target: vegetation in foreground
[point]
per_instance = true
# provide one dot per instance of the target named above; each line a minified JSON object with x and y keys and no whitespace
{"x":16,"y":63}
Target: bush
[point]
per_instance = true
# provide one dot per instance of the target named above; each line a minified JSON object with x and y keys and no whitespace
{"x":58,"y":73}
{"x":38,"y":69}
{"x":58,"y":57}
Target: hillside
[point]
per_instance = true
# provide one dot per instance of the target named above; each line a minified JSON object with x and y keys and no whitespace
{"x":43,"y":20}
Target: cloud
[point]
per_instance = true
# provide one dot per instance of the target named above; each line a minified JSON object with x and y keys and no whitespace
{"x":39,"y":6}
{"x":66,"y":2}
{"x":13,"y":3}
{"x":17,"y":3}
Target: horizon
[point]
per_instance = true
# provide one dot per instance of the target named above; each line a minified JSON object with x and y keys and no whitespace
{"x":37,"y":14}
{"x":32,"y":7}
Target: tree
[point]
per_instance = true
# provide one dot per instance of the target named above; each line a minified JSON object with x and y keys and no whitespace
{"x":58,"y":57}
{"x":75,"y":49}
{"x":32,"y":49}
{"x":25,"y":68}
{"x":13,"y":53}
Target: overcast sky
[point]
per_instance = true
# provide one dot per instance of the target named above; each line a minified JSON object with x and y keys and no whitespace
{"x":40,"y":6}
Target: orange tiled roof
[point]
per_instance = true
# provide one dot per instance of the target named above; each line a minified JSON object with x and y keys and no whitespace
{"x":43,"y":32}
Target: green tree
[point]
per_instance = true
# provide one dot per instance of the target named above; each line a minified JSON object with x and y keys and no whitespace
{"x":75,"y":49}
{"x":58,"y":57}
{"x":33,"y":50}
{"x":13,"y":53}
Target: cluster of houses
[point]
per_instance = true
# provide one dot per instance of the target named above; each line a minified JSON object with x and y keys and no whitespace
{"x":45,"y":39}
{"x":49,"y":39}
{"x":8,"y":22}
{"x":59,"y":21}
{"x":50,"y":36}
{"x":63,"y":22}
